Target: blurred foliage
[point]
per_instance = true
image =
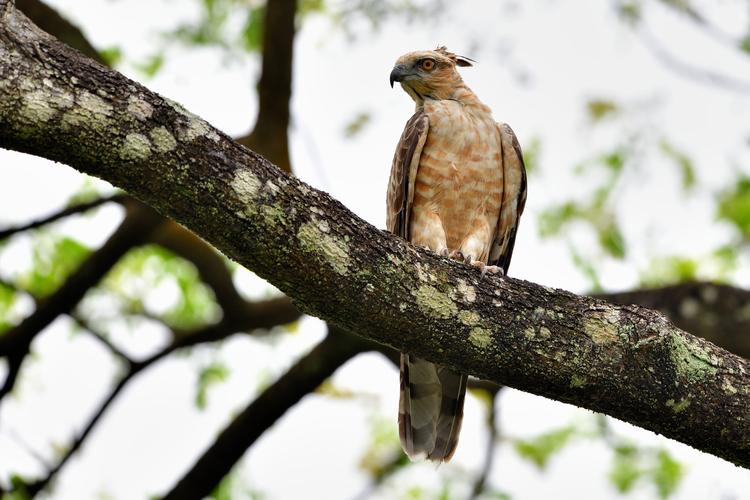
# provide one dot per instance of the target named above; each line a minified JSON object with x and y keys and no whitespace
{"x":87,"y":192}
{"x":670,"y":270}
{"x":7,"y":302}
{"x":328,"y":388}
{"x":632,"y":466}
{"x":734,"y":206}
{"x":717,"y":266}
{"x":209,"y":376}
{"x":595,"y":210}
{"x":599,"y":109}
{"x":151,"y":66}
{"x":54,"y":258}
{"x":532,"y":153}
{"x":112,"y":56}
{"x":234,"y":487}
{"x":629,"y":11}
{"x":152,"y":268}
{"x":540,"y":449}
{"x":18,"y":484}
{"x":357,"y":124}
{"x":383,"y":456}
{"x":683,"y":162}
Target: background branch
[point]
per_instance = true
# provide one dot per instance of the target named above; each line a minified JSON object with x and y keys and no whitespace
{"x":307,"y":374}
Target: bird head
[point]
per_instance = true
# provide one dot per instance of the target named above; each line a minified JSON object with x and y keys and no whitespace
{"x":429,"y":73}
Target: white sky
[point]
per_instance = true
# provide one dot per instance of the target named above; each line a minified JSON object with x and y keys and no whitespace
{"x":538,"y":63}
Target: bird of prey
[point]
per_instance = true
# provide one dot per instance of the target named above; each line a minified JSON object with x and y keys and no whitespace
{"x":458,"y":187}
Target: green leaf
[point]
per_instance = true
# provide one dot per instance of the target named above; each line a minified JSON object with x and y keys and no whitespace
{"x":625,"y":471}
{"x":532,"y":152}
{"x":209,"y":376}
{"x":584,"y":264}
{"x":734,"y":206}
{"x":7,"y":301}
{"x":152,"y":65}
{"x":252,"y":32}
{"x":683,"y":162}
{"x":612,"y":240}
{"x":554,"y":219}
{"x":666,"y":474}
{"x":306,"y":7}
{"x":54,"y":258}
{"x":541,"y":448}
{"x":85,"y":193}
{"x":383,"y":455}
{"x":745,"y":44}
{"x":599,"y":109}
{"x":112,"y":56}
{"x":151,"y":266}
{"x":357,"y":124}
{"x":670,"y":270}
{"x":629,"y":11}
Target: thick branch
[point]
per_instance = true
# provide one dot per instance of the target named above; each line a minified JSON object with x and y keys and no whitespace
{"x":625,"y":361}
{"x":52,"y":22}
{"x":718,"y":313}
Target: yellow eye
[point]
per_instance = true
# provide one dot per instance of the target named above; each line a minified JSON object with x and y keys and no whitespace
{"x":428,"y":64}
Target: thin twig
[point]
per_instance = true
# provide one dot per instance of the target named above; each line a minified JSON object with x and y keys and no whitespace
{"x":75,"y":209}
{"x":489,"y":456}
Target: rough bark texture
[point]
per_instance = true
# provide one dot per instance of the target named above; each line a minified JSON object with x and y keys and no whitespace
{"x":626,"y":361}
{"x":718,"y":313}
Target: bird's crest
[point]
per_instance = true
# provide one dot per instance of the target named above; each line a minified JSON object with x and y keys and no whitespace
{"x":457,"y":60}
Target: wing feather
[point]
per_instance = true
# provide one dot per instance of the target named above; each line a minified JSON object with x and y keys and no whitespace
{"x":404,"y":173}
{"x":514,"y":198}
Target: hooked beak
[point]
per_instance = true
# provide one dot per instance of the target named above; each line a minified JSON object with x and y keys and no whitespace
{"x":399,"y":73}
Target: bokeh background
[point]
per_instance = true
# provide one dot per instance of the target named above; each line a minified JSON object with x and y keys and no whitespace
{"x":633,"y":117}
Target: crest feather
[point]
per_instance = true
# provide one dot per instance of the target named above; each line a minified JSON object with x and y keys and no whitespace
{"x":457,"y":60}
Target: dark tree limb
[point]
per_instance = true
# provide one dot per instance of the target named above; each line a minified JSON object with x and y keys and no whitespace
{"x":307,"y":374}
{"x":133,"y":230}
{"x":211,"y":267}
{"x":75,"y":209}
{"x":52,"y":22}
{"x":480,"y":484}
{"x":626,"y":361}
{"x":718,"y":313}
{"x":270,"y":136}
{"x":257,"y":315}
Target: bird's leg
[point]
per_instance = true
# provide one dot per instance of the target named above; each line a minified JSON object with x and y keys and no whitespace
{"x":457,"y":255}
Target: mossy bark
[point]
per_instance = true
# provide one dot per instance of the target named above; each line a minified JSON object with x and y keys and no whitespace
{"x":625,"y":361}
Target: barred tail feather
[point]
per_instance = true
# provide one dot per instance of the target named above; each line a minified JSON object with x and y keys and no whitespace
{"x":430,"y":409}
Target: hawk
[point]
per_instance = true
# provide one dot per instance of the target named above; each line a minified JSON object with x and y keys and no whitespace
{"x":458,"y":187}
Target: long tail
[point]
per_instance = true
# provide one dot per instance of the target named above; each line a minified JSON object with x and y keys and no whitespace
{"x":431,"y":409}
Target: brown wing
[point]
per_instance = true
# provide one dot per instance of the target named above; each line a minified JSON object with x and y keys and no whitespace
{"x":403,"y":173}
{"x":514,"y":199}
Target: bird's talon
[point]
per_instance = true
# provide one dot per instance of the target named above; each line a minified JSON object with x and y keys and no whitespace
{"x":457,"y":255}
{"x":444,"y":252}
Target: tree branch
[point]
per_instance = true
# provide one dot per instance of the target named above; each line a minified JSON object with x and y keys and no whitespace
{"x":307,"y":374}
{"x":718,"y":313}
{"x":625,"y":361}
{"x":75,"y":209}
{"x":270,"y":135}
{"x":258,"y":315}
{"x":139,"y":222}
{"x":52,"y":22}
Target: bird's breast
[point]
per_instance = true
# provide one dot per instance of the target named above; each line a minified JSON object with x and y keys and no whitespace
{"x":460,"y":175}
